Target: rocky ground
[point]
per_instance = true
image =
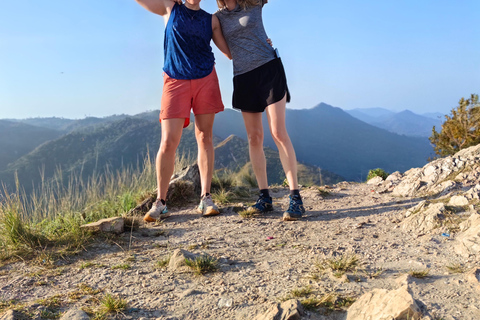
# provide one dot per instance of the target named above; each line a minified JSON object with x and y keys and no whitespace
{"x":263,"y":261}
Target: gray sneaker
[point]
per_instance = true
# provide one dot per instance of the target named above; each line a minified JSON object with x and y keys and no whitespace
{"x":207,"y":207}
{"x":159,"y":211}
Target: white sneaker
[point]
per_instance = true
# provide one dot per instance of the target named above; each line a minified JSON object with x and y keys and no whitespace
{"x":158,"y":211}
{"x":207,"y":207}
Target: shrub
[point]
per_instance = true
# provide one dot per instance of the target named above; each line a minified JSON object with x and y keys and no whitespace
{"x":377,"y":173}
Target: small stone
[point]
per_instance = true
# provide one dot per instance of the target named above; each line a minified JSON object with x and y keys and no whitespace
{"x":225,"y":303}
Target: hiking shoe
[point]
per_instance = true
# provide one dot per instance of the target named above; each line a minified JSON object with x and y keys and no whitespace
{"x":295,"y":209}
{"x":207,"y":207}
{"x":263,"y":204}
{"x":159,"y":211}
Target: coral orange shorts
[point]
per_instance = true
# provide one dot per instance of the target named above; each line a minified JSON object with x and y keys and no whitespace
{"x":200,"y":95}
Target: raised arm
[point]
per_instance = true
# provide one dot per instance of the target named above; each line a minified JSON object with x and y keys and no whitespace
{"x":218,"y":37}
{"x":160,"y":7}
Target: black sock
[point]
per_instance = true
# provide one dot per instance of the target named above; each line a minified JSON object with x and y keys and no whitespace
{"x":265,"y":193}
{"x":295,"y":192}
{"x":205,"y":195}
{"x":163,"y":201}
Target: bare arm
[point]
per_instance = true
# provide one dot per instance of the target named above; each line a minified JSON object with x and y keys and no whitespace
{"x":218,"y":37}
{"x":160,"y":7}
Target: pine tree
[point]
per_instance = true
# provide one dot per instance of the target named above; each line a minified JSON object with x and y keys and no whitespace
{"x":460,"y":130}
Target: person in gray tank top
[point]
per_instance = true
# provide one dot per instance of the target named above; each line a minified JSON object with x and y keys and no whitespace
{"x":260,"y":84}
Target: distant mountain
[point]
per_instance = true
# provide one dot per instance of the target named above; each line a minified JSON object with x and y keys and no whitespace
{"x":405,"y":122}
{"x":125,"y":143}
{"x":18,"y":139}
{"x":369,"y":115}
{"x":232,"y":154}
{"x":67,"y":125}
{"x":435,"y":115}
{"x":331,"y":139}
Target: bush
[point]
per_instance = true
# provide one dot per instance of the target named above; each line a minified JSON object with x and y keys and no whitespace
{"x":377,"y":173}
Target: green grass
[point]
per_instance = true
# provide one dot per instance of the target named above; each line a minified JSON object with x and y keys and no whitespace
{"x":112,"y":304}
{"x":51,"y":216}
{"x":202,"y":264}
{"x":419,"y":274}
{"x":123,"y":266}
{"x":339,"y":264}
{"x":248,"y":213}
{"x":455,"y":268}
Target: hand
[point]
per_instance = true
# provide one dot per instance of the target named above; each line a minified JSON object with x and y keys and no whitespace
{"x":269,"y":41}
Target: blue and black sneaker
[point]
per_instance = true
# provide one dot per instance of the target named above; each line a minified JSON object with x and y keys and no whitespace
{"x":263,"y":204}
{"x":295,"y":209}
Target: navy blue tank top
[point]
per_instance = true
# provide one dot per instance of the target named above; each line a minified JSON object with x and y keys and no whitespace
{"x":187,"y":50}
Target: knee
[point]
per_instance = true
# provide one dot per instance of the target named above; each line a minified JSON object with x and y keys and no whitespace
{"x":279,"y":135}
{"x":204,"y":138}
{"x":168,"y":146}
{"x":255,"y":138}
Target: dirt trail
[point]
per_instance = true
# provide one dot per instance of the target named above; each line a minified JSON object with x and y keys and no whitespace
{"x":262,"y":260}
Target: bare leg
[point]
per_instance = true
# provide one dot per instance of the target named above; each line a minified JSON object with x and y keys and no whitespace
{"x":206,"y":154}
{"x":253,"y":125}
{"x":276,"y":121}
{"x":165,"y":162}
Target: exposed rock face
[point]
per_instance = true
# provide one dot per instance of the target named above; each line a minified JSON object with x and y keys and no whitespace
{"x":424,"y":220}
{"x":468,"y":241}
{"x":442,"y":175}
{"x":114,"y":225}
{"x":381,"y":304}
{"x":288,"y":310}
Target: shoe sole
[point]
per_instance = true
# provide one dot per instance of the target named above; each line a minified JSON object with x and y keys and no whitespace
{"x":287,"y":217}
{"x":148,"y":218}
{"x":208,"y":213}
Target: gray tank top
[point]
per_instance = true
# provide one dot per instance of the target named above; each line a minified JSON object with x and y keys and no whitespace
{"x":246,"y":37}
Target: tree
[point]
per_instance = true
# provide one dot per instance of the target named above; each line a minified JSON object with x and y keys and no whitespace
{"x":460,"y":130}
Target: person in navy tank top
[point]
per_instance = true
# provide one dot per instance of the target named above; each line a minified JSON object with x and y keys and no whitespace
{"x":190,"y":83}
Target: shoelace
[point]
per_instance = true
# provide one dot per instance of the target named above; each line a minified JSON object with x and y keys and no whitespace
{"x":294,"y":205}
{"x":208,"y":201}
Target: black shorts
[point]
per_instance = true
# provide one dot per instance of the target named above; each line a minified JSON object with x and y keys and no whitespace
{"x":257,"y":89}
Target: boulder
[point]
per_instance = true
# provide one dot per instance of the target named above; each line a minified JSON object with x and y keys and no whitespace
{"x":458,"y":201}
{"x":113,"y":225}
{"x":375,"y":181}
{"x":183,"y":186}
{"x":381,"y":304}
{"x":468,"y":241}
{"x":75,"y":314}
{"x":288,"y":310}
{"x":426,"y":219}
{"x":442,"y":175}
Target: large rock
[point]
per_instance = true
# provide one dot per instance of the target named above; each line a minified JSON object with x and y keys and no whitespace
{"x":426,"y":219}
{"x":113,"y":225}
{"x":468,"y":241}
{"x":442,"y":175}
{"x":183,"y":187}
{"x":381,"y":304}
{"x":473,"y":277}
{"x":458,"y":201}
{"x":75,"y":314}
{"x":288,"y":310}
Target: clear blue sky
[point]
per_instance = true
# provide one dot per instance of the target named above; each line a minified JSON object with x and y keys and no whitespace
{"x":97,"y":58}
